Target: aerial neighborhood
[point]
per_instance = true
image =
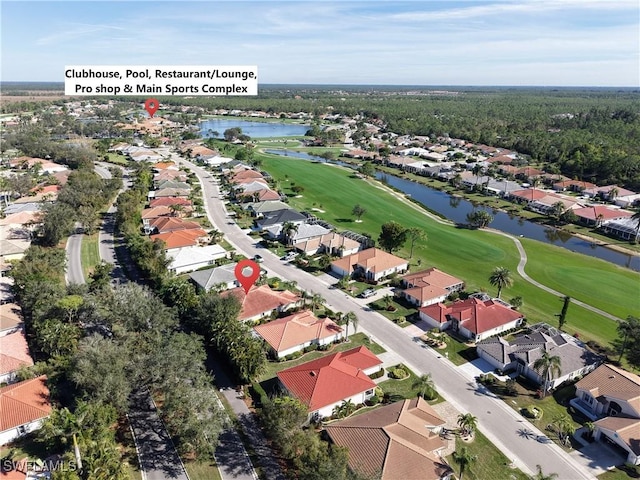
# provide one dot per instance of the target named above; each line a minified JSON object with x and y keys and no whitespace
{"x":393,"y":329}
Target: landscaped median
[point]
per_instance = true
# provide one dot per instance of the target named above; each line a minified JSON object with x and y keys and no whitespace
{"x":468,"y":254}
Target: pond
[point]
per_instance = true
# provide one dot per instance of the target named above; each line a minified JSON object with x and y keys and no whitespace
{"x":456,"y":208}
{"x":253,"y":129}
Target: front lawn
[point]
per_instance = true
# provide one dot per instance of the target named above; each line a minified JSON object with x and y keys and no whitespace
{"x":395,"y":390}
{"x":456,"y":351}
{"x":393,"y":309}
{"x":491,"y":462}
{"x":621,"y":472}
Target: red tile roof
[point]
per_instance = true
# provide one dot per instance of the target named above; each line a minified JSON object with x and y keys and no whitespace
{"x":330,"y":379}
{"x":397,"y":441}
{"x":24,"y":402}
{"x":473,"y":314}
{"x":297,"y":329}
{"x":180,"y":238}
{"x":14,"y":352}
{"x":168,"y":201}
{"x":529,"y":194}
{"x":592,"y":213}
{"x":172,"y":224}
{"x":430,"y":283}
{"x":261,"y":299}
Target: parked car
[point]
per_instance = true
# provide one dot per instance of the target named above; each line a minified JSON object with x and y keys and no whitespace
{"x":369,"y":292}
{"x":289,"y":256}
{"x":257,"y":258}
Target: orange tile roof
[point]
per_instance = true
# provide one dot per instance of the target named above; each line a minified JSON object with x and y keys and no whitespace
{"x":330,"y":379}
{"x":265,"y":195}
{"x":168,"y":201}
{"x":9,"y":316}
{"x":164,"y":165}
{"x":180,"y":238}
{"x":172,"y":224}
{"x":14,"y":352}
{"x":372,"y":259}
{"x":397,"y":441}
{"x":260,"y":299}
{"x":22,"y":218}
{"x":473,"y":314}
{"x":430,"y":283}
{"x":593,"y":212}
{"x":24,"y":402}
{"x":246,"y":174}
{"x":297,"y":329}
{"x":529,"y":194}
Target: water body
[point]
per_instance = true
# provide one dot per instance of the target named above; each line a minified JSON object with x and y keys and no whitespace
{"x":253,"y":129}
{"x":456,"y":209}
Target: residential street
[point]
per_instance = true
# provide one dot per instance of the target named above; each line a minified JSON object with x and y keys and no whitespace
{"x":74,"y":272}
{"x":497,"y":420}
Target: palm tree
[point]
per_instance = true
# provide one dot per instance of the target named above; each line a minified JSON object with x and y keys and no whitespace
{"x":501,"y":278}
{"x":316,"y":301}
{"x":288,"y":230}
{"x":176,"y":209}
{"x":565,"y":426}
{"x":541,"y":476}
{"x":426,"y":387}
{"x":415,"y":235}
{"x":590,"y":426}
{"x":215,"y":235}
{"x":346,"y":408}
{"x":350,"y":318}
{"x":547,"y":365}
{"x":467,"y":423}
{"x":613,"y":194}
{"x":464,"y":458}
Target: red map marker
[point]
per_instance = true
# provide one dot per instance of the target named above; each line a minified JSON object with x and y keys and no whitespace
{"x":247,"y":281}
{"x":151,"y":106}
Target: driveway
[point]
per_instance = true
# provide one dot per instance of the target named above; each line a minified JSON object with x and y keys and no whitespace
{"x":496,"y":419}
{"x":599,"y":457}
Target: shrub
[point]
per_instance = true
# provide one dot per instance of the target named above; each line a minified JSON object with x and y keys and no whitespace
{"x":311,"y":348}
{"x":373,"y":401}
{"x":377,"y":374}
{"x":532,"y":412}
{"x":398,"y":372}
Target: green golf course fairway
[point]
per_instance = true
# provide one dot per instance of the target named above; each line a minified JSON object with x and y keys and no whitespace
{"x":469,"y":254}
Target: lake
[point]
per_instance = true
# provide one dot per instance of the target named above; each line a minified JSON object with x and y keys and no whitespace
{"x":456,"y":209}
{"x":253,"y":129}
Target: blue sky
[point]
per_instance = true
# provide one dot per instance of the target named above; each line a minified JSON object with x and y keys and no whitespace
{"x":495,"y":42}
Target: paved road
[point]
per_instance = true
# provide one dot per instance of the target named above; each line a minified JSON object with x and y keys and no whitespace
{"x":500,"y":423}
{"x":74,"y":273}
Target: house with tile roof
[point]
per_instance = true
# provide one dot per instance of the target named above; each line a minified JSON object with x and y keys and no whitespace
{"x":279,"y":218}
{"x":169,"y":201}
{"x":520,"y":353}
{"x":371,"y":264}
{"x":261,"y":301}
{"x":14,"y":354}
{"x":171,"y":224}
{"x":296,"y":332}
{"x":429,"y":286}
{"x":397,"y":441}
{"x":596,"y":215}
{"x":10,"y":318}
{"x":223,"y":278}
{"x":332,"y":243}
{"x":611,"y":396}
{"x":326,"y":382}
{"x":259,"y":209}
{"x":473,"y":318}
{"x":181,"y":238}
{"x":306,"y":231}
{"x":23,"y":408}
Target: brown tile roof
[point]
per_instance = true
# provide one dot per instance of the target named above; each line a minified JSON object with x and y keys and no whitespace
{"x":473,"y":314}
{"x":371,"y":259}
{"x":529,"y":194}
{"x":155,"y":212}
{"x":180,"y":238}
{"x":330,"y":241}
{"x":265,"y":195}
{"x":612,"y":382}
{"x":397,"y":441}
{"x":628,"y":430}
{"x":296,"y":329}
{"x":330,"y":379}
{"x":430,"y":283}
{"x":24,"y":402}
{"x":261,"y":299}
{"x":164,"y":165}
{"x":22,"y":218}
{"x":14,"y":352}
{"x":246,"y":175}
{"x":9,"y":316}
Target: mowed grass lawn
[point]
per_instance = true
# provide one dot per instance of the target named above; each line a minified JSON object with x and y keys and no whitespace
{"x":468,"y":254}
{"x":89,"y":254}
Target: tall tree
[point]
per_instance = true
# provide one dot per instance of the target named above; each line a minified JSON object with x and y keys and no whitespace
{"x":629,"y":329}
{"x":358,"y":211}
{"x":350,"y":318}
{"x":562,"y":318}
{"x":547,"y":365}
{"x":464,"y":459}
{"x":468,"y":423}
{"x":392,"y":236}
{"x":415,"y":235}
{"x":501,"y":278}
{"x":479,"y":218}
